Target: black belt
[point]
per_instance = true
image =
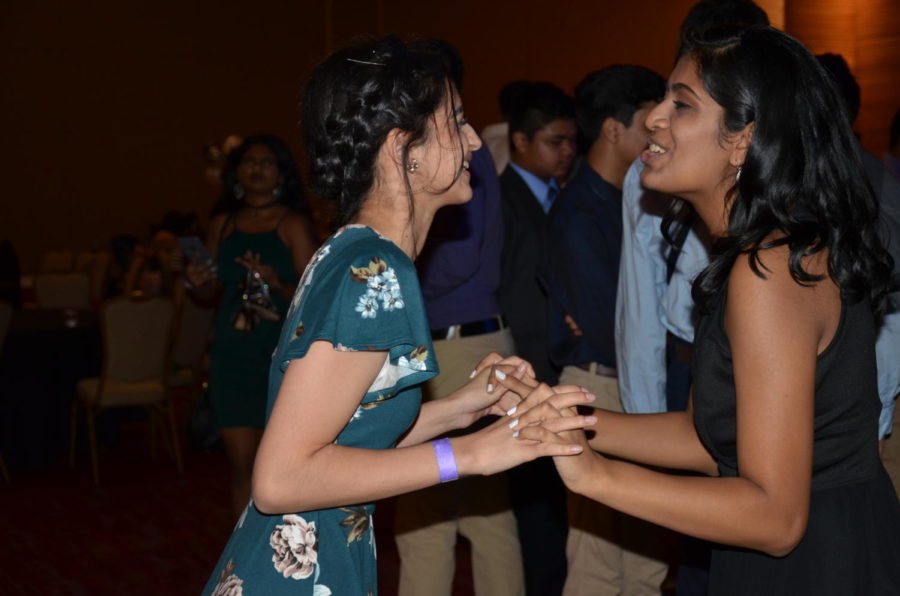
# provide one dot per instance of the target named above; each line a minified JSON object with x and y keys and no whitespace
{"x":468,"y":329}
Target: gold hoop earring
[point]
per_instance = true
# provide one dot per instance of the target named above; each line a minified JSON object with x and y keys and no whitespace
{"x":412,"y":166}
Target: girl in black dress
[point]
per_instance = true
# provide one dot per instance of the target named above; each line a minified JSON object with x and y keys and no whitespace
{"x":784,"y":415}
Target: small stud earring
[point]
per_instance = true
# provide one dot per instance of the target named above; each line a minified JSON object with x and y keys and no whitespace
{"x":413,"y":165}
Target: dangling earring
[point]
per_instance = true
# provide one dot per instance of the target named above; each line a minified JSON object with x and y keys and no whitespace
{"x":238,"y":190}
{"x":737,"y":177}
{"x":412,"y":166}
{"x":276,"y":192}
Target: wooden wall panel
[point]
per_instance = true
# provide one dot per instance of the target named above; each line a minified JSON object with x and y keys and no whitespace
{"x":878,"y":69}
{"x":867,"y":34}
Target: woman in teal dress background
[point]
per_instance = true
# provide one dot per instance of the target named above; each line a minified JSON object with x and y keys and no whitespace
{"x":388,"y":143}
{"x":260,"y":227}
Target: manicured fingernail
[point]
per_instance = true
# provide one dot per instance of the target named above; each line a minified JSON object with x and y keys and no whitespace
{"x":512,"y":410}
{"x":574,"y":448}
{"x":490,"y":388}
{"x":590,"y":420}
{"x":516,"y":435}
{"x":514,"y":423}
{"x":590,"y":396}
{"x":500,"y":374}
{"x":474,"y":372}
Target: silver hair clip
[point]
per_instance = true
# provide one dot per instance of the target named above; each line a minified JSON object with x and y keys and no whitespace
{"x":364,"y":62}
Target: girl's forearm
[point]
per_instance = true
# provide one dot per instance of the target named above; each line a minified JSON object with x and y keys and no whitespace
{"x":436,"y":418}
{"x":666,"y":440}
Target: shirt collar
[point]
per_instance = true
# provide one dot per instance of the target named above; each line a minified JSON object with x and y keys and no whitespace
{"x":595,"y":182}
{"x":538,"y":187}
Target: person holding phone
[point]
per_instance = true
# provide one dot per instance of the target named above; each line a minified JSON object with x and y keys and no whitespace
{"x":260,"y":238}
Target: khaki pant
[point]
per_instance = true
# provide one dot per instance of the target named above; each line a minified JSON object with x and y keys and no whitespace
{"x":609,"y":552}
{"x":477,"y":507}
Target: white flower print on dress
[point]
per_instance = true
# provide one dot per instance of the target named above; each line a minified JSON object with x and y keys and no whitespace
{"x":416,"y":360}
{"x":392,"y":299}
{"x":381,"y":285}
{"x":367,"y":306}
{"x":319,"y":589}
{"x":229,"y":584}
{"x":377,"y":284}
{"x":413,"y":364}
{"x":295,"y":546}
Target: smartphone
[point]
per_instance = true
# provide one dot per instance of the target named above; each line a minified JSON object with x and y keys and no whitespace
{"x":194,"y":250}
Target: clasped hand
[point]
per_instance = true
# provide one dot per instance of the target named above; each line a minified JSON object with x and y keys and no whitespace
{"x":562,"y":427}
{"x":506,"y":387}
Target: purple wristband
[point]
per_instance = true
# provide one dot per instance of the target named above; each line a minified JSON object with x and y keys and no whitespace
{"x":443,"y":451}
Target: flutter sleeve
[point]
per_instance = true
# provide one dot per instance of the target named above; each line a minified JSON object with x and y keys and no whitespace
{"x":362,"y":295}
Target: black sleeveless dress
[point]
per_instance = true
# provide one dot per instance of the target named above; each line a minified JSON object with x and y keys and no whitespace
{"x":852,"y":543}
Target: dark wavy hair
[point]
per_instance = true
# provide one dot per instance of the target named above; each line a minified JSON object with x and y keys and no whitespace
{"x":538,"y":104}
{"x":291,"y":191}
{"x":802,"y":176}
{"x":354,"y":98}
{"x":708,"y":14}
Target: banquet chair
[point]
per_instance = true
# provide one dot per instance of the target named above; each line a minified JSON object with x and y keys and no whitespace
{"x":94,"y":264}
{"x":6,"y":311}
{"x":62,"y":290}
{"x":136,"y":343}
{"x":193,"y":326}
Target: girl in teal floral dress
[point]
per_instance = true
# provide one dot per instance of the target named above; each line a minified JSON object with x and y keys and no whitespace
{"x":388,"y":143}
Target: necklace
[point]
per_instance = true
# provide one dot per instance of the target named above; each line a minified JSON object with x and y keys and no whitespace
{"x":255,"y":210}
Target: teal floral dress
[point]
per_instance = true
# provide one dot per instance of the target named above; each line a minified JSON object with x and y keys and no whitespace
{"x":359,"y":292}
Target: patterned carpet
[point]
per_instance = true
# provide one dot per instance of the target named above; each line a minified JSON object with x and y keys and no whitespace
{"x":144,"y":530}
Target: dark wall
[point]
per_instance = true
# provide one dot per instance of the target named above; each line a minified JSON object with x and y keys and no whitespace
{"x":105,"y":105}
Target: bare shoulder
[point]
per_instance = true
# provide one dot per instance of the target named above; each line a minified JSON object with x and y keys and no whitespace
{"x":769,"y":300}
{"x":768,"y":273}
